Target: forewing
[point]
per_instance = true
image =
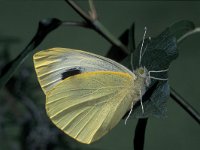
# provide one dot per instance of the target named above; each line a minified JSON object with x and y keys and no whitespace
{"x":53,"y":65}
{"x":88,"y":105}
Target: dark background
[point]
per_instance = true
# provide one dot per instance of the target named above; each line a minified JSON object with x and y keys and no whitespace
{"x":178,"y":131}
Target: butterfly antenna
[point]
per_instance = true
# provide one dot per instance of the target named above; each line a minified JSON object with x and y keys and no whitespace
{"x":161,"y":79}
{"x":145,"y":30}
{"x":145,"y":48}
{"x":141,"y":102}
{"x":165,"y":70}
{"x":157,"y":71}
{"x":129,"y":114}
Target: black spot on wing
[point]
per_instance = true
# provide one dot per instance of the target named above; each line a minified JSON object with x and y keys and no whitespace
{"x":71,"y":72}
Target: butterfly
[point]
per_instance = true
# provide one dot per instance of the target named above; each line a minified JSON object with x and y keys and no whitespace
{"x":87,"y":94}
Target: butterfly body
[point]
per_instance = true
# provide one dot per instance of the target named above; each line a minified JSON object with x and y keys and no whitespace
{"x":86,"y":94}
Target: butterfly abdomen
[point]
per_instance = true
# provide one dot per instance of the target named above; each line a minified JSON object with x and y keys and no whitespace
{"x":137,"y":88}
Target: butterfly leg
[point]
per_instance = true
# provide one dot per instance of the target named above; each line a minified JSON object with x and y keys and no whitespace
{"x":129,"y":114}
{"x":141,"y":102}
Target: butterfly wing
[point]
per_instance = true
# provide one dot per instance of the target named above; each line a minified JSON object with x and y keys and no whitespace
{"x":88,"y":105}
{"x":52,"y":65}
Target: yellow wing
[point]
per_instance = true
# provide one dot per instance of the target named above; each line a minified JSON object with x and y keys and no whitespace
{"x":88,"y":105}
{"x":50,"y":65}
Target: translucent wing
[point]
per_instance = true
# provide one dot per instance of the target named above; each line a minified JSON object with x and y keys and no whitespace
{"x":52,"y":64}
{"x":88,"y":105}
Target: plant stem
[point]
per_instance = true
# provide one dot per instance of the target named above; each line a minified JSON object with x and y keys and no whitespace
{"x":92,"y":11}
{"x":44,"y":28}
{"x":175,"y":96}
{"x":81,"y":12}
{"x":139,"y":138}
{"x":186,"y":35}
{"x":98,"y":27}
{"x":76,"y":23}
{"x":185,"y":105}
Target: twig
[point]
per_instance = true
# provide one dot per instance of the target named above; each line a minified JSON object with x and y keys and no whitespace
{"x":98,"y":26}
{"x":76,"y":23}
{"x":45,"y":27}
{"x":92,"y":12}
{"x":174,"y":95}
{"x":85,"y":16}
{"x":139,"y":138}
{"x":185,"y":105}
{"x":186,"y":35}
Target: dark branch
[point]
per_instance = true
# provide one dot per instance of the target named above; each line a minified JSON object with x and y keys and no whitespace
{"x":186,"y":35}
{"x":98,"y":26}
{"x":44,"y":28}
{"x":139,"y":138}
{"x":185,"y":105}
{"x":81,"y":12}
{"x":76,"y":23}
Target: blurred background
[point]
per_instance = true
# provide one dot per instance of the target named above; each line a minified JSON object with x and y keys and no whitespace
{"x":23,"y":121}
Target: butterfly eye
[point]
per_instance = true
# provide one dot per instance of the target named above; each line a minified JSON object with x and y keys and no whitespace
{"x":141,"y":71}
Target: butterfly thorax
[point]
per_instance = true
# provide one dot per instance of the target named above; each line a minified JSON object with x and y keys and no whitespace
{"x":141,"y":81}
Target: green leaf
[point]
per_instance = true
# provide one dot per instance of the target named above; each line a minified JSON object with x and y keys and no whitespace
{"x":179,"y":28}
{"x":159,"y":53}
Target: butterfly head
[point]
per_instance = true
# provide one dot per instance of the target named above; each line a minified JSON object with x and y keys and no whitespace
{"x":142,"y":72}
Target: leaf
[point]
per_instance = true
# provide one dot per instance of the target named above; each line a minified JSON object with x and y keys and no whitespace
{"x":160,"y":52}
{"x":179,"y":28}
